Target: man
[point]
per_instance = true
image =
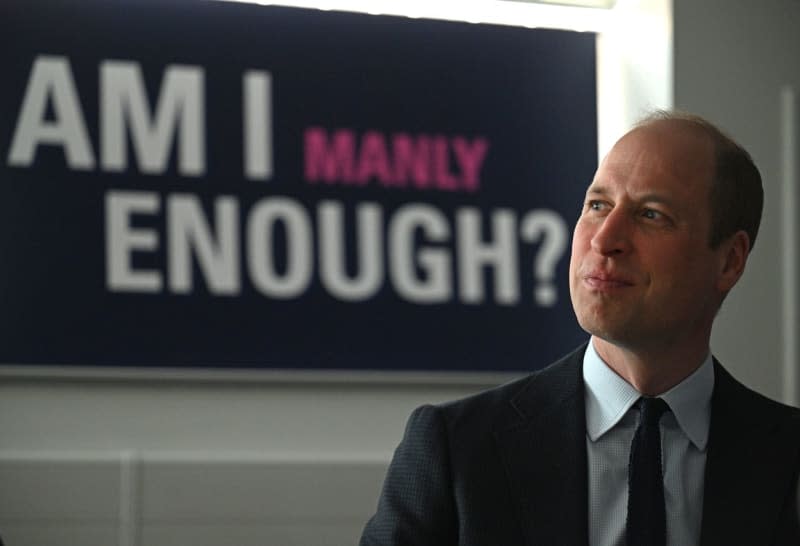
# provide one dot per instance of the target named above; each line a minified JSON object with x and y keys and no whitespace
{"x":639,"y":437}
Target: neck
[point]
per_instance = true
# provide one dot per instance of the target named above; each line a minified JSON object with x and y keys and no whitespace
{"x":652,"y":372}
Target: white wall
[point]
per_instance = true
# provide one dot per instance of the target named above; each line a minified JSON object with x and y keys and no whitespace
{"x":731,"y":59}
{"x":170,"y":461}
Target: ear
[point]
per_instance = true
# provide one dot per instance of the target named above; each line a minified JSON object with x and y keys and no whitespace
{"x":733,"y":257}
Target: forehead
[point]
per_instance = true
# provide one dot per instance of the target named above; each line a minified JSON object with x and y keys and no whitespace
{"x":666,"y":157}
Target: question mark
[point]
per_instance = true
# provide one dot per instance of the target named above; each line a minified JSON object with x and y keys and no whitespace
{"x":550,"y":224}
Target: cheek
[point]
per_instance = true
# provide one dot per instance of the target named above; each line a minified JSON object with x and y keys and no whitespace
{"x":581,"y":237}
{"x":579,"y":245}
{"x":683,"y":269}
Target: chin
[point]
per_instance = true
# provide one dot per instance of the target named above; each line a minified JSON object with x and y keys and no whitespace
{"x":608,"y":330}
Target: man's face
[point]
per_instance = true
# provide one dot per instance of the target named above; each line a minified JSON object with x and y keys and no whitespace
{"x":642,"y":273}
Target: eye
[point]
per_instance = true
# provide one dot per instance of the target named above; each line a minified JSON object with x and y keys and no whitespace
{"x":595,"y":205}
{"x":651,"y":214}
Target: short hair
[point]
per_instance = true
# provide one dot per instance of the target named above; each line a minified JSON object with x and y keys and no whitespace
{"x":737,"y":195}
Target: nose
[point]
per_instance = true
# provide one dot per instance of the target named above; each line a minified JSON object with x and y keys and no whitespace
{"x":612,"y":237}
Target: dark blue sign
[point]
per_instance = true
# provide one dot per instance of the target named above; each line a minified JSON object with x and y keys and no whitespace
{"x":215,"y":184}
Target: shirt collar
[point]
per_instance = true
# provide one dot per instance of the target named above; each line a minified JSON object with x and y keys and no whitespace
{"x":609,"y":397}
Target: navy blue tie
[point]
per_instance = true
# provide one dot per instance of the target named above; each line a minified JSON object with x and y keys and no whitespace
{"x":647,"y":520}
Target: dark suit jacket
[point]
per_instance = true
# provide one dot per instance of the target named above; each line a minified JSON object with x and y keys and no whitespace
{"x":507,"y":467}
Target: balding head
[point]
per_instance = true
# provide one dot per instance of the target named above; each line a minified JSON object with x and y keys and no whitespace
{"x":737,"y":196}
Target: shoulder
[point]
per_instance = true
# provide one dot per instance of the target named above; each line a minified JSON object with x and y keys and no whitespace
{"x":734,"y":401}
{"x":447,"y":458}
{"x":730,"y":392}
{"x":512,"y":402}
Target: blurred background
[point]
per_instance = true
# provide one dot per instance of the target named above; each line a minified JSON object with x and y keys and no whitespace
{"x":164,"y":380}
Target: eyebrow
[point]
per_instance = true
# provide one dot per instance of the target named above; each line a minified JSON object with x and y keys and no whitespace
{"x":597,"y":189}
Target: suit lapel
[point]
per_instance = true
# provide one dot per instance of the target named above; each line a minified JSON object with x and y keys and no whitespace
{"x":745,"y":477}
{"x":545,"y":456}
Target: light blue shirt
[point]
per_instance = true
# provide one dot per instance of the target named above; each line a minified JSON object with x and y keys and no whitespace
{"x":611,"y":421}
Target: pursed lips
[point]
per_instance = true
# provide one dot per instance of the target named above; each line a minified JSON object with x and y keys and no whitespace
{"x":600,"y":280}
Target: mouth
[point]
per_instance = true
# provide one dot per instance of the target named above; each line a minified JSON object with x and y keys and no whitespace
{"x":606,"y":282}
